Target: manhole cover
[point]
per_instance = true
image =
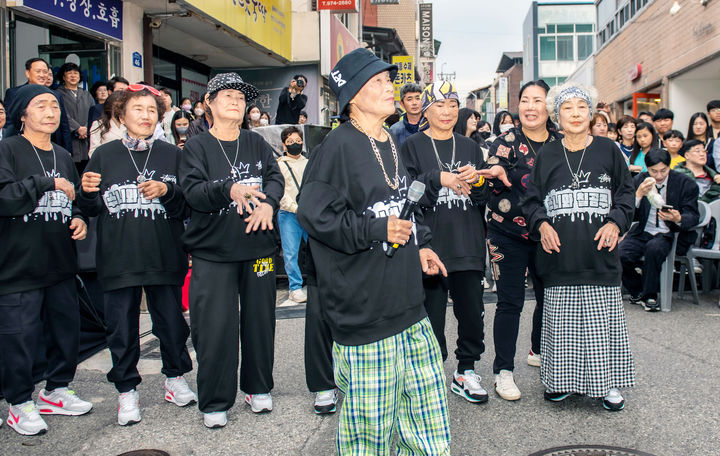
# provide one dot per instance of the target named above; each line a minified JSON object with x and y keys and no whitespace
{"x":590,"y":450}
{"x":146,"y":453}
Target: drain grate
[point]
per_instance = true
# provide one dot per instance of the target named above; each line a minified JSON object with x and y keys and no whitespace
{"x":590,"y":450}
{"x":146,"y":453}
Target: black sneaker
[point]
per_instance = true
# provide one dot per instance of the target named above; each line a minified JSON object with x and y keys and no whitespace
{"x":650,"y":305}
{"x":636,"y":300}
{"x":556,"y":397}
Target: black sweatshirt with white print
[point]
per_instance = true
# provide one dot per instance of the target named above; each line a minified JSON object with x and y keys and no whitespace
{"x":344,"y":206}
{"x":457,"y":222}
{"x":216,"y":231}
{"x":139,"y":240}
{"x":37,"y":249}
{"x":603,"y":193}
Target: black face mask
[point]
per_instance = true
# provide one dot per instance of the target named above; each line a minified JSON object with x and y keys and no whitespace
{"x":485,"y":134}
{"x":294,"y":149}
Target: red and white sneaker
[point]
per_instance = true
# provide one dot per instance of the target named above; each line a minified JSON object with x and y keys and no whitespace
{"x":62,"y":401}
{"x":534,"y":359}
{"x":259,"y":403}
{"x":129,"y":408}
{"x":178,"y":392}
{"x":25,"y":419}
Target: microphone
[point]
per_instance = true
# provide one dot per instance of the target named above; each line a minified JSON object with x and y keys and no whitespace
{"x":415,"y":192}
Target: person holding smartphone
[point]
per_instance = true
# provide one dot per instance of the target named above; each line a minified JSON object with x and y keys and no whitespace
{"x":665,"y":203}
{"x":292,"y":101}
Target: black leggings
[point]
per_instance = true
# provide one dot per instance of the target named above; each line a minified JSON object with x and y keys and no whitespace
{"x":510,"y":258}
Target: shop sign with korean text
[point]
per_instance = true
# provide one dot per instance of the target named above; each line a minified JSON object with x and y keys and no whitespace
{"x":405,"y":74}
{"x":266,"y":22}
{"x":100,"y":16}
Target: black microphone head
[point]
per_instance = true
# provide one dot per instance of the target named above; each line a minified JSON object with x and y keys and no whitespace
{"x":416,"y":191}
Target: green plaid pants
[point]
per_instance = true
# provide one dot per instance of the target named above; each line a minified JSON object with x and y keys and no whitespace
{"x":397,"y":383}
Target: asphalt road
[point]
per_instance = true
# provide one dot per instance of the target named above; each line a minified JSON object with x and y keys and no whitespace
{"x":674,"y":410}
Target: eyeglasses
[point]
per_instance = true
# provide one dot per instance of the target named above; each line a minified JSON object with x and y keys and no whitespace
{"x":141,"y":87}
{"x":290,"y":142}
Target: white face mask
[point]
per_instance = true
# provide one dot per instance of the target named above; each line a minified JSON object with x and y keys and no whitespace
{"x":254,"y":116}
{"x":505,"y":127}
{"x":199,"y":111}
{"x":263,"y":122}
{"x":186,"y":107}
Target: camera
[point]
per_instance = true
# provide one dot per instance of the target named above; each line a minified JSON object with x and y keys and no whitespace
{"x":300,"y":83}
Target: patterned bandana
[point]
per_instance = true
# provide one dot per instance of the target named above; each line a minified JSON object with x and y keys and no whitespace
{"x":137,"y":145}
{"x":572,"y":92}
{"x":438,"y":91}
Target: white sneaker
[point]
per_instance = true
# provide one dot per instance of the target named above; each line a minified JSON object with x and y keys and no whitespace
{"x":467,"y":385}
{"x":326,"y":401}
{"x":697,"y":267}
{"x":298,"y":296}
{"x":614,"y":400}
{"x":505,"y":386}
{"x":534,"y":359}
{"x":259,"y":403}
{"x":214,"y":420}
{"x":25,"y":419}
{"x":178,"y":392}
{"x":62,"y":401}
{"x":129,"y":408}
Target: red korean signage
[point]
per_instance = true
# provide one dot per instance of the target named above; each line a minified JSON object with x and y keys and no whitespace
{"x":338,"y":5}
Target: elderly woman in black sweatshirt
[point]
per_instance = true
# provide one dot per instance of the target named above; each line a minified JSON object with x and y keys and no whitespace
{"x":39,"y":222}
{"x":130,"y":184}
{"x":233,"y":185}
{"x":386,"y":359}
{"x":456,"y":219}
{"x":580,"y":200}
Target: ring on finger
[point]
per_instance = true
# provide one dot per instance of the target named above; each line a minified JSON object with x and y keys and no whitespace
{"x":247,"y":196}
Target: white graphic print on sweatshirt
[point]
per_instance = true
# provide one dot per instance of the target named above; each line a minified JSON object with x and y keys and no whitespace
{"x":579,"y":203}
{"x":123,"y":199}
{"x":53,"y":204}
{"x":393,"y":206}
{"x":241,"y":175}
{"x":447,"y":197}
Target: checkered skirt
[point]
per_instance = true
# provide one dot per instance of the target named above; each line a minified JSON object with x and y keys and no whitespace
{"x":585,"y":345}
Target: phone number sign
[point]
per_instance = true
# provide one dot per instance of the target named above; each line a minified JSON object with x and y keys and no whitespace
{"x":405,"y":74}
{"x":101,"y":16}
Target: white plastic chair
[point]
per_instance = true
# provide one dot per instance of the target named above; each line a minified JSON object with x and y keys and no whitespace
{"x":712,"y":253}
{"x":686,"y":263}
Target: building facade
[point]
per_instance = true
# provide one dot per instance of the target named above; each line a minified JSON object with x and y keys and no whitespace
{"x":181,"y":44}
{"x":649,"y":58}
{"x":557,"y":36}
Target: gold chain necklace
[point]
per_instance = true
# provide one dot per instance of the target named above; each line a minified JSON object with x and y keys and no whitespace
{"x":529,"y":142}
{"x":396,"y":181}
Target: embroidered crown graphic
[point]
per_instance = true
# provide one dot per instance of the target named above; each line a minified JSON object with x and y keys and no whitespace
{"x":52,"y":173}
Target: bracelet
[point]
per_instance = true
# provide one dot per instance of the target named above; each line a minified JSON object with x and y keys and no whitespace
{"x":480,"y":182}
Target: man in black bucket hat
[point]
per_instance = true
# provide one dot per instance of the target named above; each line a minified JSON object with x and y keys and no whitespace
{"x":386,"y":359}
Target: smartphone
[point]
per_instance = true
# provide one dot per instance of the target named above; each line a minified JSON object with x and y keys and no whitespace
{"x":666,"y":208}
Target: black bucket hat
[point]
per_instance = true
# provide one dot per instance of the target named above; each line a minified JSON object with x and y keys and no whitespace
{"x":353,"y":71}
{"x":224,"y":81}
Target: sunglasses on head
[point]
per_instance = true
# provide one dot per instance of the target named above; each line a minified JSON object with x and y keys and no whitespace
{"x":141,"y":87}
